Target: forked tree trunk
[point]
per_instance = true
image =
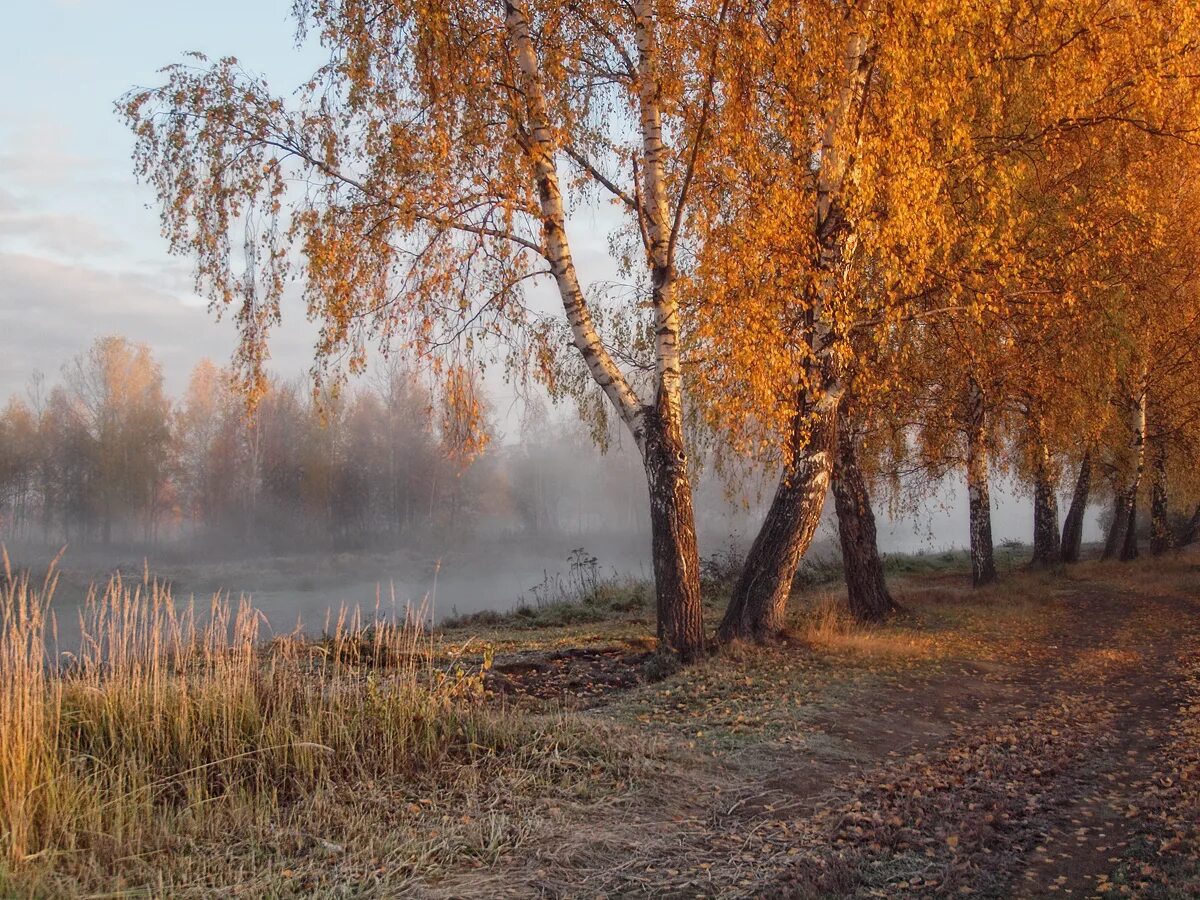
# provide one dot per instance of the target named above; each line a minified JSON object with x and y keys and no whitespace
{"x":1047,"y":549}
{"x":1072,"y":533}
{"x":759,"y":599}
{"x":1161,"y":537}
{"x":1129,"y":550}
{"x":1115,"y":539}
{"x":673,"y":537}
{"x":983,"y":559}
{"x":866,"y":587}
{"x":657,"y":428}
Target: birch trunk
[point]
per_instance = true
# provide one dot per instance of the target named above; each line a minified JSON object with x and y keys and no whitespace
{"x":866,"y":588}
{"x":983,"y":558}
{"x":673,"y":539}
{"x":1115,"y":538}
{"x":1129,"y":546}
{"x":759,"y":600}
{"x":657,"y":428}
{"x":1161,"y":537}
{"x":672,"y":519}
{"x":1129,"y":549}
{"x":1047,"y":548}
{"x":1072,"y":533}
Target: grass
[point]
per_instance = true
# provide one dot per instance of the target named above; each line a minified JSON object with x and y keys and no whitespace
{"x":605,"y":601}
{"x":584,"y":596}
{"x":825,"y":622}
{"x":172,"y":734}
{"x":175,"y":754}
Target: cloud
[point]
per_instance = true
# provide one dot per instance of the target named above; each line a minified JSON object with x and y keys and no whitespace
{"x":51,"y":310}
{"x":68,"y":235}
{"x":40,"y":154}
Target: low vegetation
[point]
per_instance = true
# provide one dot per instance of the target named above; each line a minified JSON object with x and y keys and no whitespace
{"x":174,"y":733}
{"x":583,"y":595}
{"x":174,"y":754}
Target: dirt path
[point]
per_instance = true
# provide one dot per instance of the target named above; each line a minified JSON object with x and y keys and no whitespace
{"x":1038,"y":792}
{"x":1018,"y":775}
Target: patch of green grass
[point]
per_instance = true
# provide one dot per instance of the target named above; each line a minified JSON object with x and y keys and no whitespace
{"x":608,"y":600}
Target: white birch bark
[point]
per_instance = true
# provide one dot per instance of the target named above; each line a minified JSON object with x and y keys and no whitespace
{"x":657,"y":428}
{"x":672,"y":520}
{"x":831,"y":177}
{"x":757,"y":602}
{"x":543,"y":150}
{"x":983,"y":563}
{"x":657,"y":218}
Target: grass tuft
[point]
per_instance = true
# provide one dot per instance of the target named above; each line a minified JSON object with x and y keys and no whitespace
{"x":172,"y":726}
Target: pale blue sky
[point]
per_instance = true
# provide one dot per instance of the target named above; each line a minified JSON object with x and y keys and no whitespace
{"x":80,"y":254}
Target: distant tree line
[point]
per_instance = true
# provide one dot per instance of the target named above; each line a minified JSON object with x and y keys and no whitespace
{"x":106,"y":455}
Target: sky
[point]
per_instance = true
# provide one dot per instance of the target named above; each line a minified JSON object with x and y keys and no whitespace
{"x":80,"y":251}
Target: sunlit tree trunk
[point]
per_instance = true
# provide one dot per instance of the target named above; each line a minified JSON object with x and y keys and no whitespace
{"x":673,"y":539}
{"x":657,"y":428}
{"x":1047,"y":549}
{"x":1072,"y":533}
{"x":1161,"y":538}
{"x":672,"y":520}
{"x":759,"y":599}
{"x":866,"y":588}
{"x":983,"y":559}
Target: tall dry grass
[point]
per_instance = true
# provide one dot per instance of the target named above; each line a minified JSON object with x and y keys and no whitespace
{"x":825,"y":621}
{"x":167,"y":716}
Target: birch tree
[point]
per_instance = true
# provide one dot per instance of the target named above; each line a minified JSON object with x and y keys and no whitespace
{"x":885,"y":144}
{"x":426,"y":175}
{"x":867,"y":594}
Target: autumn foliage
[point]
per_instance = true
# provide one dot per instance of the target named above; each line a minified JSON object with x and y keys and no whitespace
{"x":976,"y":218}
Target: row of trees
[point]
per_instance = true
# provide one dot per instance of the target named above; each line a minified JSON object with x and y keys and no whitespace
{"x":858,"y":238}
{"x":107,"y":455}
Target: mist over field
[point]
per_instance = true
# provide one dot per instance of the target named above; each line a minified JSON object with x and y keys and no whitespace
{"x":494,"y":567}
{"x":600,"y":448}
{"x":374,"y":499}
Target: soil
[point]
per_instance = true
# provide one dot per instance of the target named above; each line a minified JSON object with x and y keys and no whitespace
{"x":1028,"y":772}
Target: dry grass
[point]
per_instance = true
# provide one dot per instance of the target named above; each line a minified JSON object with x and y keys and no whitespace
{"x":176,"y":755}
{"x":825,"y":622}
{"x":176,"y":733}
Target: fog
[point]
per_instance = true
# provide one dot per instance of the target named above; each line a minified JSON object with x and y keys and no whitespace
{"x":494,"y":566}
{"x":397,"y":492}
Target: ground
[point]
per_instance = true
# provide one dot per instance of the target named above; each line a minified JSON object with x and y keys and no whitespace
{"x":1040,"y":737}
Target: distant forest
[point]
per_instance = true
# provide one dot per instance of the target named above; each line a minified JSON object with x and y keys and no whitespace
{"x":107,"y":456}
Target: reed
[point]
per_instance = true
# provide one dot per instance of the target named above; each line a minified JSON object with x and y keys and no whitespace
{"x":168,"y":715}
